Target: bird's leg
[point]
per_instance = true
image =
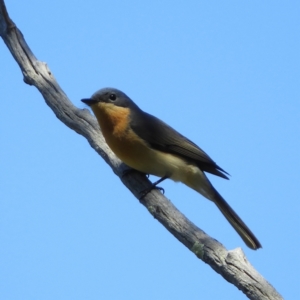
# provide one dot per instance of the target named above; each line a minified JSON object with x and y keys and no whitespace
{"x":154,"y":186}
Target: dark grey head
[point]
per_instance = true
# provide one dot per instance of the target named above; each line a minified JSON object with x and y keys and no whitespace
{"x":110,"y":95}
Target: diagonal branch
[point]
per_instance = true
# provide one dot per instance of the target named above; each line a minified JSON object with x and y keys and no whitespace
{"x":232,"y":265}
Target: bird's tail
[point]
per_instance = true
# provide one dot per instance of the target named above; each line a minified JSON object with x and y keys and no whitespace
{"x":241,"y":228}
{"x":200,"y":183}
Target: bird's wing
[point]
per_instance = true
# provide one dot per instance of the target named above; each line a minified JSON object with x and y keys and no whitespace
{"x":162,"y":137}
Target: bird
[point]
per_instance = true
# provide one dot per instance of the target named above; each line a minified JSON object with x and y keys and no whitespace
{"x":149,"y":145}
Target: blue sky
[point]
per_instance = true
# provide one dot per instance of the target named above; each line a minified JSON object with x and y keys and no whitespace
{"x":225,"y":74}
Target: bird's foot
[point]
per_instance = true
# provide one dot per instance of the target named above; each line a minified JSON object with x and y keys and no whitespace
{"x":148,"y":190}
{"x":153,"y":186}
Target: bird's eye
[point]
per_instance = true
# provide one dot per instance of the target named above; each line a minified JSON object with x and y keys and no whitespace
{"x":112,"y":97}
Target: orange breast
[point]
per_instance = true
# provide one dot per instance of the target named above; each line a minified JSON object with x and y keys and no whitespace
{"x":114,"y":123}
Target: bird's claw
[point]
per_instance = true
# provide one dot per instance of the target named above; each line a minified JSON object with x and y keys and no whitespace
{"x":148,"y":190}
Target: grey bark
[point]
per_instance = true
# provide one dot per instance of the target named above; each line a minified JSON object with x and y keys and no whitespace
{"x":232,"y":265}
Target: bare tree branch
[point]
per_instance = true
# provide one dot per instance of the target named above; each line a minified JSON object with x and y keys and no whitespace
{"x":232,"y":265}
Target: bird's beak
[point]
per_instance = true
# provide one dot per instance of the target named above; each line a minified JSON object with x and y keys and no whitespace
{"x":89,"y":101}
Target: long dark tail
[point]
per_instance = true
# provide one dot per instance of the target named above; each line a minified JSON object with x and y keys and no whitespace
{"x":241,"y":228}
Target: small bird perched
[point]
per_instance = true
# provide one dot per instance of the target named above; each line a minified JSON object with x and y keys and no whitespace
{"x":147,"y":144}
